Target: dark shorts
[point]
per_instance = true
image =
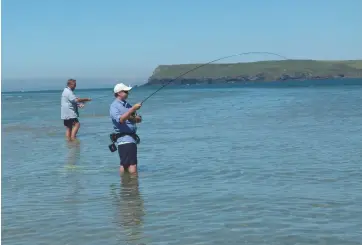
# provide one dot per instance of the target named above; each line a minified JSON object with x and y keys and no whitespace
{"x":70,"y":122}
{"x":127,"y":154}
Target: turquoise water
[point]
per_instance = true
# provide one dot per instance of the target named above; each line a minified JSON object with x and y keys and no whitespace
{"x":218,"y":165}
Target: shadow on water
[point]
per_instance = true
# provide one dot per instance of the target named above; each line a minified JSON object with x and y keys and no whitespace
{"x":129,"y":208}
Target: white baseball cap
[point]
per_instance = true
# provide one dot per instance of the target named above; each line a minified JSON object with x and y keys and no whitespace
{"x":121,"y":87}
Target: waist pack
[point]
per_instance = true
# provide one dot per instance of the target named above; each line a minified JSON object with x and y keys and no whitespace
{"x":114,"y":137}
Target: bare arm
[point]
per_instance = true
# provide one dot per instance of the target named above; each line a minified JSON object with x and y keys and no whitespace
{"x":136,"y":119}
{"x":127,"y":115}
{"x":130,"y":112}
{"x":80,"y":100}
{"x":73,"y":99}
{"x":119,"y":115}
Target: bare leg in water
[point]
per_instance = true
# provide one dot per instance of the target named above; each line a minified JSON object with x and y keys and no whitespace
{"x":74,"y":131}
{"x":132,"y":169}
{"x":121,"y":170}
{"x":68,"y":132}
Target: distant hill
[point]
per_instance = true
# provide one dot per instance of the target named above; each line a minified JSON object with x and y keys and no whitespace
{"x":258,"y":71}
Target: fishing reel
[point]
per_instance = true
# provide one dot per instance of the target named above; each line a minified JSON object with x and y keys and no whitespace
{"x":134,"y":115}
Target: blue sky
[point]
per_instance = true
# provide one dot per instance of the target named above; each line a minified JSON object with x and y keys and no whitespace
{"x":47,"y":40}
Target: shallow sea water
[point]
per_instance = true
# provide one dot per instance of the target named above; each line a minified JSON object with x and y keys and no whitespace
{"x":217,"y":165}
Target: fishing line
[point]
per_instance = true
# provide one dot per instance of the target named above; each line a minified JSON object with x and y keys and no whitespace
{"x":199,"y":66}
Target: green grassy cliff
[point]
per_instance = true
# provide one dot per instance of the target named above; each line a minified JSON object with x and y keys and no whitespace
{"x":257,"y":71}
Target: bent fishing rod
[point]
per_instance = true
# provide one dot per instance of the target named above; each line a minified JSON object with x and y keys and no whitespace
{"x":199,"y":66}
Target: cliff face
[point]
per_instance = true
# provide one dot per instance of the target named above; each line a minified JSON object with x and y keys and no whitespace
{"x":257,"y":71}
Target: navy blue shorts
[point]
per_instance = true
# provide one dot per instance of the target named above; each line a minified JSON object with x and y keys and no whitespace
{"x":69,"y":123}
{"x":127,"y":154}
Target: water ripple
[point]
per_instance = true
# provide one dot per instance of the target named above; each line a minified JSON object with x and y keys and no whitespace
{"x":217,"y":166}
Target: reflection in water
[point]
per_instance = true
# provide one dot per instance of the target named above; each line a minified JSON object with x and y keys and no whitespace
{"x":73,"y":155}
{"x":130,"y":208}
{"x":72,"y":185}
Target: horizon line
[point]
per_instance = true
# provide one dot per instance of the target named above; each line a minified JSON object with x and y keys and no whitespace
{"x":110,"y":88}
{"x":57,"y":90}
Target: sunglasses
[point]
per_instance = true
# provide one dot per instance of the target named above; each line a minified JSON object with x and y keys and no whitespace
{"x":125,"y":92}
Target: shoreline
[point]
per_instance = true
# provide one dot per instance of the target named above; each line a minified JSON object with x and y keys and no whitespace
{"x":291,"y":82}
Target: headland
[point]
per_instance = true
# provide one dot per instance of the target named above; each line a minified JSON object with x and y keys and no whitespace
{"x":278,"y":70}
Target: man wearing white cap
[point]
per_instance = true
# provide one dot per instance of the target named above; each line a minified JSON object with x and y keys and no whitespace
{"x":124,"y":123}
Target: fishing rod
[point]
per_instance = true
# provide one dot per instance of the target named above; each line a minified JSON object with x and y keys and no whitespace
{"x":199,"y":66}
